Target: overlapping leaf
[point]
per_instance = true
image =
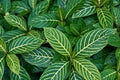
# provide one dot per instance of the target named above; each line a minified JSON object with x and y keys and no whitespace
{"x":23,"y":75}
{"x":2,"y":45}
{"x":72,"y":6}
{"x":108,"y":74}
{"x":44,"y":20}
{"x":1,"y":31}
{"x":92,"y":42}
{"x":86,"y":69}
{"x":105,"y":18}
{"x":2,"y":64}
{"x":24,"y":44}
{"x":56,"y":71}
{"x":75,"y":76}
{"x":16,"y":21}
{"x":87,"y":9}
{"x":40,"y":57}
{"x":58,"y":41}
{"x":6,"y":5}
{"x":32,"y":3}
{"x":13,"y":63}
{"x":11,"y":35}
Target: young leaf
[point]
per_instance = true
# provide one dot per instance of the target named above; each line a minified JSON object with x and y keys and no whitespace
{"x":55,"y":71}
{"x":58,"y":41}
{"x":75,"y":76}
{"x":108,"y":74}
{"x":11,"y":35}
{"x":86,"y":69}
{"x":2,"y":45}
{"x":44,"y":20}
{"x":6,"y":5}
{"x":92,"y":42}
{"x":13,"y":63}
{"x":116,"y":13}
{"x":16,"y":21}
{"x":24,"y":44}
{"x":32,"y":3}
{"x":2,"y":64}
{"x":105,"y":18}
{"x":23,"y":75}
{"x":72,"y":6}
{"x":87,"y":9}
{"x":40,"y":57}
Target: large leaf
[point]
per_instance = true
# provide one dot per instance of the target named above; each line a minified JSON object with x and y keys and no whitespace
{"x":2,"y":64}
{"x":44,"y":20}
{"x":32,"y":3}
{"x":92,"y":42}
{"x":6,"y":5}
{"x":75,"y":76}
{"x":11,"y":35}
{"x":23,"y":75}
{"x":86,"y":69}
{"x":13,"y":63}
{"x":40,"y":57}
{"x":58,"y":41}
{"x":16,"y":21}
{"x":72,"y":6}
{"x":87,"y":9}
{"x":108,"y":74}
{"x":116,"y":13}
{"x":24,"y":44}
{"x":56,"y":71}
{"x":2,"y":45}
{"x":105,"y":18}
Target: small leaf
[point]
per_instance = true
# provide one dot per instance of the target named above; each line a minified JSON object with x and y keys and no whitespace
{"x":41,"y":57}
{"x":2,"y":64}
{"x":105,"y":18}
{"x":87,"y":9}
{"x":1,"y":31}
{"x":32,"y":3}
{"x":16,"y":21}
{"x":44,"y":20}
{"x":58,"y":41}
{"x":86,"y":69}
{"x":24,"y":44}
{"x":13,"y":63}
{"x":2,"y":45}
{"x":92,"y":42}
{"x":6,"y":5}
{"x":56,"y":71}
{"x":108,"y":74}
{"x":72,"y":6}
{"x":23,"y":75}
{"x":117,"y":53}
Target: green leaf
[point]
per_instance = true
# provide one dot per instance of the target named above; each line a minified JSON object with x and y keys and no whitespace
{"x":12,"y":35}
{"x":32,"y":3}
{"x":92,"y":42}
{"x":2,"y":45}
{"x":58,"y":41}
{"x":2,"y":64}
{"x":16,"y":21}
{"x":86,"y":10}
{"x":41,"y":57}
{"x":75,"y":76}
{"x":116,"y":13}
{"x":108,"y":74}
{"x":105,"y":18}
{"x":56,"y":71}
{"x":1,"y":31}
{"x":117,"y":53}
{"x":24,"y":44}
{"x":6,"y":5}
{"x":44,"y":20}
{"x":23,"y":75}
{"x":20,"y":7}
{"x":72,"y":6}
{"x":13,"y":63}
{"x":86,"y":69}
{"x":100,"y":3}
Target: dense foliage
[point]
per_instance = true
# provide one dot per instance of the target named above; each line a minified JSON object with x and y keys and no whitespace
{"x":59,"y":40}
